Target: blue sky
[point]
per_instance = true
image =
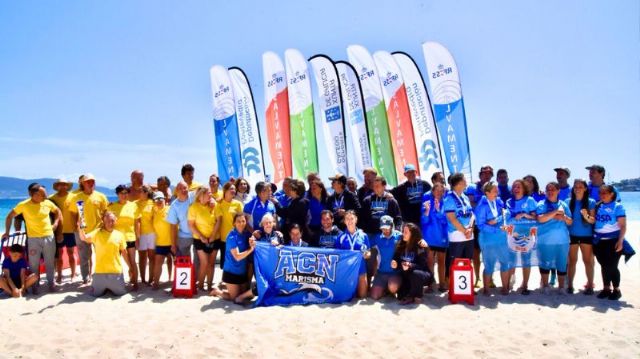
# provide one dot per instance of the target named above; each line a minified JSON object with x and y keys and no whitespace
{"x":106,"y":87}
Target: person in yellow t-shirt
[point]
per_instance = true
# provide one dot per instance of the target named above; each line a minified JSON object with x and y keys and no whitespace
{"x":65,"y":237}
{"x":201,"y":221}
{"x":187,"y":172}
{"x":126,"y":215}
{"x":225,"y":211}
{"x":110,"y":246}
{"x":214,"y":186}
{"x":165,"y":247}
{"x":94,"y":204}
{"x":145,"y":234}
{"x":40,"y":238}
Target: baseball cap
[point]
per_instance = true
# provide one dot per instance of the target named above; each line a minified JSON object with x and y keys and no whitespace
{"x":89,"y":177}
{"x":563,"y":168}
{"x":157,"y":195}
{"x":386,"y":222}
{"x":409,"y":167}
{"x":339,"y":177}
{"x":595,"y":167}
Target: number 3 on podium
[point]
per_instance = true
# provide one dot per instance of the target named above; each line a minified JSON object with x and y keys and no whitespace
{"x":461,"y":282}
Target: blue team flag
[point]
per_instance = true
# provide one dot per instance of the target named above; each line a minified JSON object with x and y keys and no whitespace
{"x":305,"y":275}
{"x":225,"y":124}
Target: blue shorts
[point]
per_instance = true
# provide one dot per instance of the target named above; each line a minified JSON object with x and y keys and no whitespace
{"x":68,"y":240}
{"x":163,"y":250}
{"x":553,"y":256}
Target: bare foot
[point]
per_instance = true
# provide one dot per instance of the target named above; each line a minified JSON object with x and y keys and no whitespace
{"x":215,"y":292}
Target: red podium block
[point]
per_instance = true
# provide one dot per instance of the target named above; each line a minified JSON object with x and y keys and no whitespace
{"x":184,"y":278}
{"x":461,"y":281}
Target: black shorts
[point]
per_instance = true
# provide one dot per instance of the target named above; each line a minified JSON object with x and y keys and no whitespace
{"x":131,"y":244}
{"x":438,"y":249}
{"x":232,"y":278}
{"x":476,"y":234}
{"x":68,"y":240}
{"x":201,"y":246}
{"x":581,"y":240}
{"x":219,"y":244}
{"x":163,"y":250}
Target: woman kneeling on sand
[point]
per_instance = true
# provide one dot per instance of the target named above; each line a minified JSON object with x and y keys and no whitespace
{"x":239,"y":247}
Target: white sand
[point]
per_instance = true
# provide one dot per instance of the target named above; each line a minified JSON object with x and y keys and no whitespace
{"x":153,"y":325}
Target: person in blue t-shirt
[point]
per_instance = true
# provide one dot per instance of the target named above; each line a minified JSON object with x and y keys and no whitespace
{"x":410,"y":259}
{"x":15,"y":279}
{"x":434,"y":231}
{"x":238,"y":249}
{"x":533,"y":187}
{"x":386,"y":278}
{"x":328,"y":234}
{"x":355,"y":239}
{"x":581,"y":233}
{"x":553,"y":236}
{"x":491,"y":217}
{"x":460,"y":220}
{"x":522,"y":209}
{"x":596,"y":179}
{"x":504,"y":190}
{"x":610,"y":227}
{"x":259,"y":205}
{"x":177,"y":217}
{"x":562,"y":176}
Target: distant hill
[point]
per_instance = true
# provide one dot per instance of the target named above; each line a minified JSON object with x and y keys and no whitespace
{"x":628,"y":185}
{"x":11,"y":187}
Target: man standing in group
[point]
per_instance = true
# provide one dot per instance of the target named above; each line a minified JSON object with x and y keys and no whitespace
{"x":135,"y":190}
{"x":562,"y":176}
{"x":180,"y":232}
{"x":409,"y":195}
{"x":65,"y":237}
{"x":596,"y":179}
{"x":187,"y":172}
{"x":504,"y":190}
{"x":370,"y":175}
{"x":40,"y":229}
{"x":379,"y":203}
{"x":87,"y":208}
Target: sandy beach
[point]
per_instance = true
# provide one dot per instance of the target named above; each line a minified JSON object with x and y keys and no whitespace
{"x":149,"y":324}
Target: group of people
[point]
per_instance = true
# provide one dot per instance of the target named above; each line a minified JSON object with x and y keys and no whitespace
{"x":408,"y":235}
